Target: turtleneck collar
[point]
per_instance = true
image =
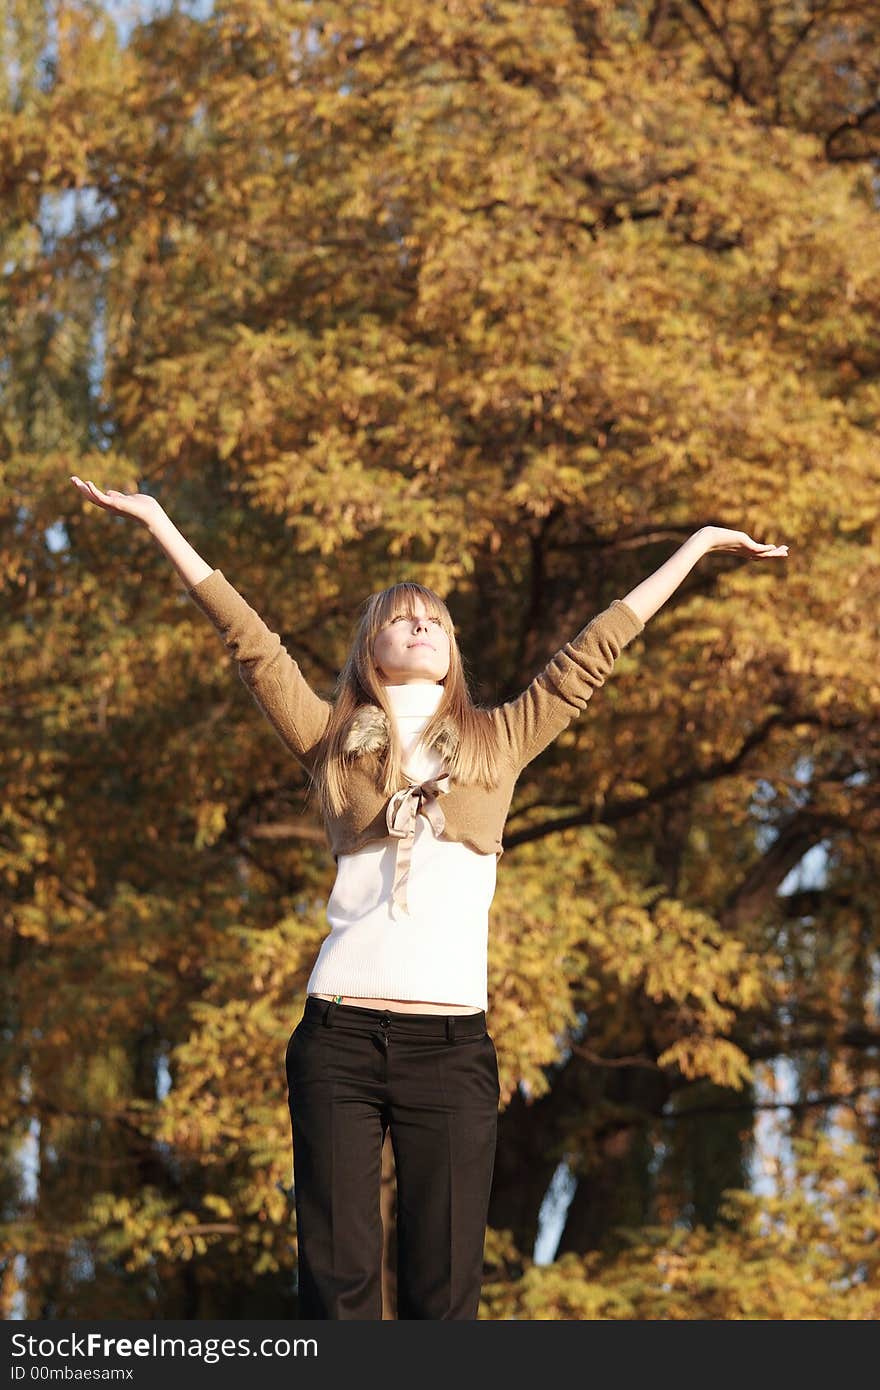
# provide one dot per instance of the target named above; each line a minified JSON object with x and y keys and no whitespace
{"x":418,"y":699}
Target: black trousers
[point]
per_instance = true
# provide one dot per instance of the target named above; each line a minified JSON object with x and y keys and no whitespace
{"x":352,"y":1073}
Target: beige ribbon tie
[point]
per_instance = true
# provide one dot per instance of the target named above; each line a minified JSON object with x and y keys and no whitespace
{"x":419,"y":798}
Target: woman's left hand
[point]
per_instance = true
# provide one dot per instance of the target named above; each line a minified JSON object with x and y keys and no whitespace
{"x":719,"y":538}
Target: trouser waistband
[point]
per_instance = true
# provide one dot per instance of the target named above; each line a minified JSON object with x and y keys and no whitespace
{"x":354,"y":1016}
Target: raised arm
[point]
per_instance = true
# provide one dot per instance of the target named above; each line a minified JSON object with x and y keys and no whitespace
{"x":275,"y":681}
{"x":150,"y":513}
{"x":653,"y":592}
{"x":533,"y":719}
{"x":188,"y":563}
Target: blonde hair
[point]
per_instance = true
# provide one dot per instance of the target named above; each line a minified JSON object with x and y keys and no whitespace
{"x":474,"y":760}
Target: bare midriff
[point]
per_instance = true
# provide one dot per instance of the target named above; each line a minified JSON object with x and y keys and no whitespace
{"x":403,"y":1006}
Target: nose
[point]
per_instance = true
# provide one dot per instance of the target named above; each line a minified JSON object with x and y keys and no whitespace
{"x":421,"y":625}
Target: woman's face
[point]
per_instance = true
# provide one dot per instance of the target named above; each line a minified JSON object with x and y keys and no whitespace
{"x":412,"y":646}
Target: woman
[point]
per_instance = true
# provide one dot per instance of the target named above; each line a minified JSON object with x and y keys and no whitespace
{"x":414,"y":784}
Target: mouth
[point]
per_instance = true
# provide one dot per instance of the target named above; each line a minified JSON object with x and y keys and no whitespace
{"x":422,"y":644}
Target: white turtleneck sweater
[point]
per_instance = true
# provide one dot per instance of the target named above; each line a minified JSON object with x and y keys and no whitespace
{"x":438,"y":952}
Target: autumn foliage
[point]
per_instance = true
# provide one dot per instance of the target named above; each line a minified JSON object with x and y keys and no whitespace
{"x":510,"y":297}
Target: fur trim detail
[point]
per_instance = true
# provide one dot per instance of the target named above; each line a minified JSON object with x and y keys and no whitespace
{"x":368,"y":733}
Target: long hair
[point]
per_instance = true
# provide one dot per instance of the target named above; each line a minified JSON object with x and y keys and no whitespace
{"x":474,"y":756}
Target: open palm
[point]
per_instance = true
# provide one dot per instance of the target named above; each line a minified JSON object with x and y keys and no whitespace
{"x":740,"y":543}
{"x":137,"y":504}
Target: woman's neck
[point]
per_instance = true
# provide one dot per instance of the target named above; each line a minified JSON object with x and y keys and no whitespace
{"x":414,"y":698}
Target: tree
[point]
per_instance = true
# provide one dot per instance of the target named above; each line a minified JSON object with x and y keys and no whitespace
{"x":510,"y":297}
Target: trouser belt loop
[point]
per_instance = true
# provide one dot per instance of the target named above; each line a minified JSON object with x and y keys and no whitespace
{"x":331,"y":1010}
{"x":450,"y":1028}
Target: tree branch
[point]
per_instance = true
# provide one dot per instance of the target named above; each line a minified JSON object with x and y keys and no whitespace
{"x":852,"y":123}
{"x":809,"y":1103}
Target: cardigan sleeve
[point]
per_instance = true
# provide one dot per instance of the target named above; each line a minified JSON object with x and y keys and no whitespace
{"x":531,"y":721}
{"x":268,"y":670}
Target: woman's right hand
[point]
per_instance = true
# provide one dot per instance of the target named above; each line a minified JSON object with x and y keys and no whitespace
{"x":137,"y":504}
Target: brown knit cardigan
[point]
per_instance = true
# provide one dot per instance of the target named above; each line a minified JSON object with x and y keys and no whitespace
{"x":525,"y":725}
